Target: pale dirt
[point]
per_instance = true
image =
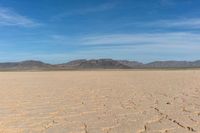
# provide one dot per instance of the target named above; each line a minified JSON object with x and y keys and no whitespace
{"x":100,"y":102}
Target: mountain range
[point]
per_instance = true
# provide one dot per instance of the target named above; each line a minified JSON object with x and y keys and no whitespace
{"x":97,"y":64}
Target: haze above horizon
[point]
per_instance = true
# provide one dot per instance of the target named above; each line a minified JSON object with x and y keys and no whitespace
{"x":56,"y":31}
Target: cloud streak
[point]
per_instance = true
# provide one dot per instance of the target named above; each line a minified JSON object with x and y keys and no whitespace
{"x":164,"y":39}
{"x":85,"y":11}
{"x":184,"y":23}
{"x":11,"y":18}
{"x":142,"y":47}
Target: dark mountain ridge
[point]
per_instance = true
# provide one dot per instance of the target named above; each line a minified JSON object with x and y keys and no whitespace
{"x":25,"y":65}
{"x":173,"y":64}
{"x":97,"y":64}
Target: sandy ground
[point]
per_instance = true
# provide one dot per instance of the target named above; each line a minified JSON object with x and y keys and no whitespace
{"x":100,"y":102}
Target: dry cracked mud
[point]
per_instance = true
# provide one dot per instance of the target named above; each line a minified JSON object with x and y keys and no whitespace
{"x":100,"y":102}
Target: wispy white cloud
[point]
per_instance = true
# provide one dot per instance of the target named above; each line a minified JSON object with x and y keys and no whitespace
{"x":146,"y":47}
{"x":141,"y":47}
{"x":182,"y":23}
{"x":85,"y":11}
{"x":164,"y":39}
{"x":9,"y":17}
{"x":170,"y":40}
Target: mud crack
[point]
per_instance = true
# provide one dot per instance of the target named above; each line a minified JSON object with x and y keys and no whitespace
{"x":174,"y":121}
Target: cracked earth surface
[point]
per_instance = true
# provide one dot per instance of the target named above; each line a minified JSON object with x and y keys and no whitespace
{"x":100,"y":102}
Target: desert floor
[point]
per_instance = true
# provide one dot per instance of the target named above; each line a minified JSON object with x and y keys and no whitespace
{"x":100,"y":102}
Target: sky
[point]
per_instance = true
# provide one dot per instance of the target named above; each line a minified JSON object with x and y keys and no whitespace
{"x":57,"y":31}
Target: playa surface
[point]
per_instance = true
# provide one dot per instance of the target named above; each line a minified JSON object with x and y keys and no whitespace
{"x":100,"y":102}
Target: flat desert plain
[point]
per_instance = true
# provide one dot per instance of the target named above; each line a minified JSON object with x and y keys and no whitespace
{"x":139,"y":101}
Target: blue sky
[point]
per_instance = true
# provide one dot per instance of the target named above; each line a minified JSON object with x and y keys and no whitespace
{"x":57,"y":31}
